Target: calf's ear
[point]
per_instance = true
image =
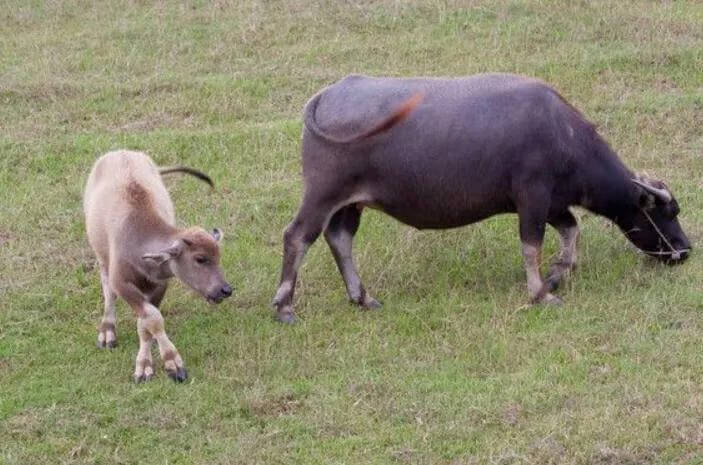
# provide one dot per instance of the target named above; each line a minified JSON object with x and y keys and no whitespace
{"x":162,"y":256}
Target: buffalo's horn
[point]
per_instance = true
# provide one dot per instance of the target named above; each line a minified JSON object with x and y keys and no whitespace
{"x":662,"y":194}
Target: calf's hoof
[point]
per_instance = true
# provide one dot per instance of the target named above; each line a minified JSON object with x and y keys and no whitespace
{"x":143,"y":378}
{"x":372,"y":304}
{"x":107,"y":336}
{"x":178,"y":375}
{"x":107,"y":345}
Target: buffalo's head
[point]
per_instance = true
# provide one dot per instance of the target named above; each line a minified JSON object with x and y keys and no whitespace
{"x":653,"y":225}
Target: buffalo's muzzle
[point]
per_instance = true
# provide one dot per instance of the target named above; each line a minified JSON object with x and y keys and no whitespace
{"x":226,"y":291}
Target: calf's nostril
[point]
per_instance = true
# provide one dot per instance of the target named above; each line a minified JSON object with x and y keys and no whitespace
{"x":226,"y":290}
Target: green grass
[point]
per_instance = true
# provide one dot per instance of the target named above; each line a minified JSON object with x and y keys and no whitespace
{"x":455,"y":369}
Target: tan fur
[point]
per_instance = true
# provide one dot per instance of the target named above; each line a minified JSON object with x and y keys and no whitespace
{"x":130,"y":223}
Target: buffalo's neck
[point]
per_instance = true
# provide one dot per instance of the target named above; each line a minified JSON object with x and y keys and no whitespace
{"x":607,"y":186}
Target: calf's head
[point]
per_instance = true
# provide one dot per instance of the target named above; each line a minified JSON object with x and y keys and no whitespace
{"x":653,"y":225}
{"x":194,"y":258}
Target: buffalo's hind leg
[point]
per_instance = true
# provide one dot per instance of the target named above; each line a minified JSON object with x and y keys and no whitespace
{"x":339,"y":235}
{"x":307,"y":225}
{"x":566,"y":225}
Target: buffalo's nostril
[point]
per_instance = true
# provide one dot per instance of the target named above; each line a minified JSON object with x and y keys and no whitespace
{"x":226,"y":290}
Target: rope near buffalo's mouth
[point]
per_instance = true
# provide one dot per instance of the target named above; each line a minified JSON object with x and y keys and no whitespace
{"x":674,"y":253}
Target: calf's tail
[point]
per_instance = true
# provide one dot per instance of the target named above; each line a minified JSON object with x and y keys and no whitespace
{"x":184,"y":169}
{"x":398,"y":115}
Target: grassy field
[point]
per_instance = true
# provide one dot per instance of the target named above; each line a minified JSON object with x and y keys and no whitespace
{"x":455,"y":369}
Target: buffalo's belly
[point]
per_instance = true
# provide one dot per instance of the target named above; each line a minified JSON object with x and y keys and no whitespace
{"x":440,"y":212}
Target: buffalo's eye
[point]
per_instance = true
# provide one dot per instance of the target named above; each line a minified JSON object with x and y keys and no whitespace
{"x":670,"y":211}
{"x":202,"y":260}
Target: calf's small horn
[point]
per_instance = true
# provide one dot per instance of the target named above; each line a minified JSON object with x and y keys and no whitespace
{"x":663,"y":194}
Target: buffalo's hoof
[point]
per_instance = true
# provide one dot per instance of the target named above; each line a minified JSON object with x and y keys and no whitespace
{"x":179,"y":375}
{"x":551,"y":299}
{"x":552,"y":282}
{"x":372,"y":304}
{"x":286,"y":317}
{"x":143,"y":378}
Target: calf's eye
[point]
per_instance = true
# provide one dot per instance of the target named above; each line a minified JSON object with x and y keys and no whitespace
{"x":202,"y":260}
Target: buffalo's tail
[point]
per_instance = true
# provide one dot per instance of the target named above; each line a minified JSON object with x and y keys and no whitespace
{"x":398,"y":115}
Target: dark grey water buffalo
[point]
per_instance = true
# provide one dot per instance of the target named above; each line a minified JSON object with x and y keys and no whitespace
{"x":442,"y":153}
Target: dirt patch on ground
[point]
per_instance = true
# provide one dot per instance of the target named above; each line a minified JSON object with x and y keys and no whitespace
{"x":273,"y":406}
{"x":5,"y":237}
{"x":613,"y":456}
{"x":511,"y":414}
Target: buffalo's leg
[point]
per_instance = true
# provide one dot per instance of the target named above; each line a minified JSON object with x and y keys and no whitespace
{"x":566,"y":225}
{"x":107,"y":332}
{"x":533,"y":220}
{"x":339,"y":235}
{"x":297,"y":238}
{"x":150,"y":326}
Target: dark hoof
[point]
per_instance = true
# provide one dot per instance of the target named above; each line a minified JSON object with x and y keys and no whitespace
{"x":551,"y":299}
{"x":372,"y":304}
{"x":109,"y":345}
{"x":179,"y":375}
{"x":286,"y":317}
{"x":552,"y":283}
{"x":142,"y":378}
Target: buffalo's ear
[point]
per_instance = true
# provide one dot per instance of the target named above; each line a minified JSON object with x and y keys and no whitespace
{"x":162,"y":256}
{"x":217,"y":234}
{"x":645,"y":200}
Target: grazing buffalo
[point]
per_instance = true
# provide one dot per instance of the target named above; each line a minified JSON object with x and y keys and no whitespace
{"x":442,"y":153}
{"x":131,"y":227}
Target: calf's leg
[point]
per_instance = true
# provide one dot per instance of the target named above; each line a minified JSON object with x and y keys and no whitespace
{"x":107,"y":332}
{"x":339,"y":235}
{"x":157,"y":294}
{"x":144,"y":366}
{"x":150,"y":326}
{"x":566,"y":225}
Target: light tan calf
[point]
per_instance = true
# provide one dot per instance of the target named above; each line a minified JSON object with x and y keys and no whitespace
{"x":130,"y":224}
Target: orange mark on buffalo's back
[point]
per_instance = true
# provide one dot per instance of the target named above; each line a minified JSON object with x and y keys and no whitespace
{"x":398,"y":115}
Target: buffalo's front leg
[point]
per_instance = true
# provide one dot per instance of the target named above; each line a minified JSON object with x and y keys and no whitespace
{"x":297,"y":238}
{"x":339,"y":235}
{"x":532,"y":211}
{"x":567,"y":227}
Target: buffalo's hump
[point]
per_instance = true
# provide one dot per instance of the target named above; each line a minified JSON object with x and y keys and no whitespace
{"x":357,"y":104}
